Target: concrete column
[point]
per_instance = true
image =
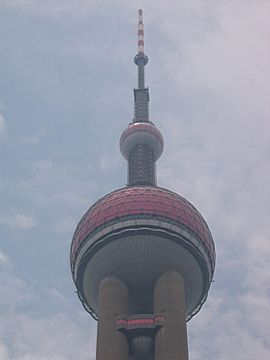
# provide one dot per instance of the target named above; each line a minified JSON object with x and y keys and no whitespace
{"x":113,"y":303}
{"x":169,"y":301}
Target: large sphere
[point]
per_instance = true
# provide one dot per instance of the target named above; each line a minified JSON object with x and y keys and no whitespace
{"x":137,"y":233}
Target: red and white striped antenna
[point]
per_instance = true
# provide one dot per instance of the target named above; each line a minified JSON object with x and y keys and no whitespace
{"x":140,"y":33}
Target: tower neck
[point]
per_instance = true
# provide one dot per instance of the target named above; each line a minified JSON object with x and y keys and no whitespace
{"x":141,"y":166}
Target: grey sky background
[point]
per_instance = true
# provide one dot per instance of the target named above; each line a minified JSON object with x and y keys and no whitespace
{"x":66,"y":79}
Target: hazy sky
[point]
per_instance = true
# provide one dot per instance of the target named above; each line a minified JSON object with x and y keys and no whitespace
{"x":66,"y":80}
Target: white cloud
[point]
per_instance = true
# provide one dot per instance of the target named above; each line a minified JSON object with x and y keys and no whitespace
{"x":24,"y":335}
{"x":35,"y":138}
{"x":20,"y":220}
{"x":2,"y":124}
{"x":4,"y":260}
{"x":65,"y":226}
{"x":61,"y":185}
{"x":51,"y":7}
{"x":4,"y":352}
{"x":223,"y":330}
{"x":52,"y":338}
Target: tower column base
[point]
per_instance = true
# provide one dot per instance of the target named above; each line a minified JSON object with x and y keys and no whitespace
{"x":169,"y":301}
{"x":113,"y":303}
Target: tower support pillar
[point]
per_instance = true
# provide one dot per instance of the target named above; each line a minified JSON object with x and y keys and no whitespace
{"x":169,"y":301}
{"x":113,"y":303}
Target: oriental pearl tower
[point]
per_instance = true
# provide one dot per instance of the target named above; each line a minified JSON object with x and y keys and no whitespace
{"x":142,"y":257}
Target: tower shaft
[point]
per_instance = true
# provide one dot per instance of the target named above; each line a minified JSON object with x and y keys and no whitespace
{"x":113,"y":303}
{"x":141,"y":166}
{"x":133,"y":341}
{"x":169,"y":300}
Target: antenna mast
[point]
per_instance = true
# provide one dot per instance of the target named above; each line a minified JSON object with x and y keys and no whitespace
{"x":141,"y":94}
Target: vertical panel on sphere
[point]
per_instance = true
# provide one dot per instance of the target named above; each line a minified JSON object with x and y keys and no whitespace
{"x":113,"y":303}
{"x":169,"y":301}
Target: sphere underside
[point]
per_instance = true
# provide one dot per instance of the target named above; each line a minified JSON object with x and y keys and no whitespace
{"x":139,"y":259}
{"x":137,"y":233}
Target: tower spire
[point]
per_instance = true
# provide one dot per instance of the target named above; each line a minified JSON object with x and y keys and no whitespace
{"x":141,"y":143}
{"x":141,"y":94}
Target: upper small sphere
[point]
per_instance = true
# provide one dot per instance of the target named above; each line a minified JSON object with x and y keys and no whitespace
{"x":141,"y":133}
